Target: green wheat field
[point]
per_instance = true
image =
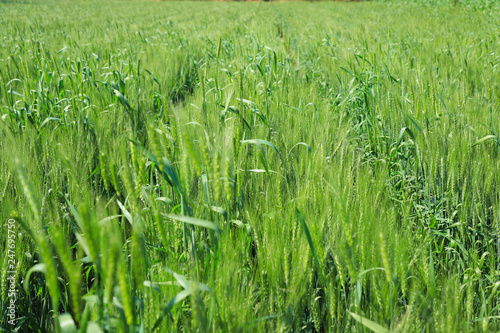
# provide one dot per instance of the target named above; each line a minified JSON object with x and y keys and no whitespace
{"x":250,"y":167}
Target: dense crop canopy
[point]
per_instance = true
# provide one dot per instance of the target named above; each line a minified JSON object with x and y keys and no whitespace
{"x":230,"y":167}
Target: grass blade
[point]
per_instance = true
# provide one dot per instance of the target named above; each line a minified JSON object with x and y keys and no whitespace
{"x":369,"y":324}
{"x":193,"y":221}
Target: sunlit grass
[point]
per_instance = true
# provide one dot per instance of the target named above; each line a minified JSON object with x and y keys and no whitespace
{"x":230,"y":167}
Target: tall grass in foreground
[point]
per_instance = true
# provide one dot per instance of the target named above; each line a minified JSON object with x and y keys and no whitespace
{"x":253,"y":169}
